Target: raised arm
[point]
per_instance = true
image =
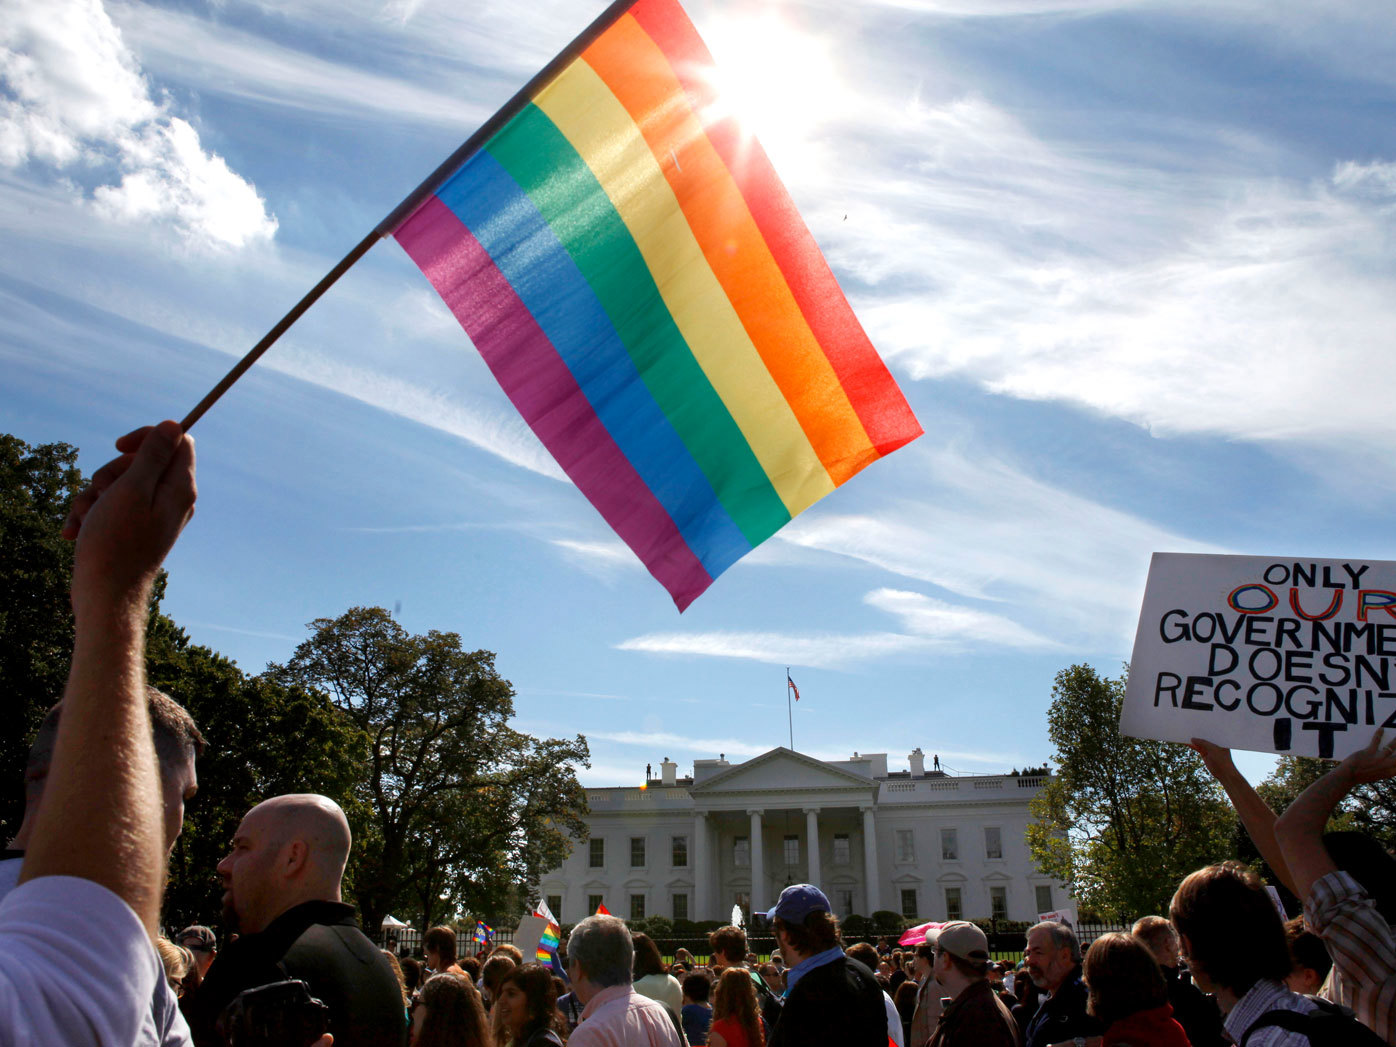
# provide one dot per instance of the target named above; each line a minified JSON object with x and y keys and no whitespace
{"x":1255,"y":813}
{"x":101,"y":816}
{"x":1300,"y":829}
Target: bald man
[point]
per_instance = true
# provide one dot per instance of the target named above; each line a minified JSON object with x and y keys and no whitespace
{"x":281,"y":893}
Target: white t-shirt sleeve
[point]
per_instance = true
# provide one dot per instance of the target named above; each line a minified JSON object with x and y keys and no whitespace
{"x":76,"y":966}
{"x":894,"y":1022}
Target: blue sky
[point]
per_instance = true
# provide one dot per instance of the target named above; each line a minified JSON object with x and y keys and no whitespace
{"x":1132,"y":264}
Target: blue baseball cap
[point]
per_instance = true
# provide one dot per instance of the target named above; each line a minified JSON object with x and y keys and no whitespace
{"x":798,"y":901}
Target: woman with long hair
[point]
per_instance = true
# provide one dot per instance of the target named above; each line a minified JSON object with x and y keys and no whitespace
{"x":1128,"y":994}
{"x":525,"y":1012}
{"x":450,"y":1013}
{"x":736,"y":1019}
{"x":652,"y":979}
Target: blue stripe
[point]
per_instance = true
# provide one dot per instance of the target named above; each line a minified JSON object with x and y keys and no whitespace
{"x":546,"y":279}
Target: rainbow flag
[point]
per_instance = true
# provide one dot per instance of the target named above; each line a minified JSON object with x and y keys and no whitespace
{"x":483,"y":932}
{"x":547,"y":943}
{"x":638,"y":280}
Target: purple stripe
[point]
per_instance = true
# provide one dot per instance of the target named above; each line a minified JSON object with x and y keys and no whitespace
{"x":534,"y":377}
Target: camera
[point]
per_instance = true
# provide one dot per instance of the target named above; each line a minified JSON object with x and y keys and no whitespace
{"x":282,"y":1014}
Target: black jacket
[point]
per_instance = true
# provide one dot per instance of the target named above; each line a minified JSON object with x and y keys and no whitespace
{"x":319,"y":943}
{"x":1195,"y":1011}
{"x":839,"y":1004}
{"x":1062,"y":1015}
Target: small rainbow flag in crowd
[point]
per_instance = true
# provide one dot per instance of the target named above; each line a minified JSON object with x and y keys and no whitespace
{"x":638,"y":280}
{"x":547,"y":943}
{"x":483,"y":932}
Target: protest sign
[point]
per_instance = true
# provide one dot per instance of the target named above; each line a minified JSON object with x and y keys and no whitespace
{"x":1286,"y":655}
{"x":528,"y":932}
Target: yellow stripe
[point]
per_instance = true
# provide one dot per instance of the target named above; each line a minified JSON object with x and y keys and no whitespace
{"x":586,"y":112}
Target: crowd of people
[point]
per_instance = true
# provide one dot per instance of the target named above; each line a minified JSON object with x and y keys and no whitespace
{"x":82,"y":959}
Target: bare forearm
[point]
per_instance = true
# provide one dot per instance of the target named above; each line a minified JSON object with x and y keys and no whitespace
{"x":101,"y":815}
{"x":1259,"y":820}
{"x":1300,"y":830}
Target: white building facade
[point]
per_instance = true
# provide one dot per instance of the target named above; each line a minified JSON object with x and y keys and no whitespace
{"x":917,"y":842}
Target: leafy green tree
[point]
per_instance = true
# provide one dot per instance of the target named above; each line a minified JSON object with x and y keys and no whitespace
{"x":37,"y":485}
{"x":264,"y":739}
{"x":1123,"y":820}
{"x":461,"y":804}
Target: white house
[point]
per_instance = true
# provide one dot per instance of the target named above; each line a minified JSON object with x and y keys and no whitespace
{"x":918,"y":842}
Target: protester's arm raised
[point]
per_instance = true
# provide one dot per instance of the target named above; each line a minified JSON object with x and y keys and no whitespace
{"x":101,"y":816}
{"x":1300,"y":829}
{"x":1255,"y":813}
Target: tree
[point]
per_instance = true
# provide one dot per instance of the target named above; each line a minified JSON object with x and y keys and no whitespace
{"x":460,"y":804}
{"x":264,"y":739}
{"x":37,"y":486}
{"x":1123,"y":820}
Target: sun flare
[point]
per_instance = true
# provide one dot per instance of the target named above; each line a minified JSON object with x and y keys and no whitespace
{"x":779,"y":82}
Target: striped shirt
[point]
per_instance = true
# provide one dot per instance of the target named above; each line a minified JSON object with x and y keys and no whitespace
{"x":1263,"y":996}
{"x":1363,"y":948}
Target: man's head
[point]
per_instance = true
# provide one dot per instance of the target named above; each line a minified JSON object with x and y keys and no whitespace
{"x":1159,"y":938}
{"x":178,"y":744}
{"x":1308,"y":958}
{"x":1229,"y":930}
{"x":962,"y":955}
{"x":728,"y":945}
{"x":496,"y":967}
{"x":439,"y":944}
{"x":287,"y":850}
{"x":1052,"y":954}
{"x":804,"y":922}
{"x":511,"y":951}
{"x":864,"y":954}
{"x":199,"y":940}
{"x":600,"y":954}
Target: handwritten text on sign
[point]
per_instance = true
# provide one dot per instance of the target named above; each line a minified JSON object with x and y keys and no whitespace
{"x":1276,"y":654}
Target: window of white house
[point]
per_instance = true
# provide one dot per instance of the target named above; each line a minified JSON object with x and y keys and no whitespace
{"x":949,"y":845}
{"x":1043,"y":891}
{"x":909,"y":904}
{"x":841,"y":850}
{"x":993,"y":843}
{"x":637,"y":906}
{"x":637,"y":852}
{"x":680,"y":906}
{"x":792,"y":850}
{"x":954,"y":910}
{"x":598,"y":853}
{"x":846,"y":903}
{"x":555,"y":904}
{"x":906,"y":846}
{"x":741,"y":852}
{"x":679,"y":855}
{"x":998,"y":903}
{"x":593,"y":903}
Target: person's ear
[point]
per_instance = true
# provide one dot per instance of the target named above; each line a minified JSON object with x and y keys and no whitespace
{"x":294,"y":858}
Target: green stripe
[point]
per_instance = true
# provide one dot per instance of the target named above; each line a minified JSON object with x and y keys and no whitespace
{"x":541,"y":160}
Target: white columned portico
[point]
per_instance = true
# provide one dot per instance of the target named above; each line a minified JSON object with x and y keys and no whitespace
{"x":758,"y":864}
{"x":702,"y":873}
{"x":870,"y":860}
{"x":812,"y":843}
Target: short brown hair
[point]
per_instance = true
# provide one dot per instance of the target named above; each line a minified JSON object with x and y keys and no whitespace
{"x":729,"y":943}
{"x":864,"y":954}
{"x":511,"y":951}
{"x":818,"y":932}
{"x":1154,"y":932}
{"x":1233,"y":933}
{"x":441,"y":939}
{"x":1123,"y":978}
{"x":496,"y":967}
{"x":177,"y":738}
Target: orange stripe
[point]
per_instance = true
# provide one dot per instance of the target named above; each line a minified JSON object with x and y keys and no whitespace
{"x":639,"y":75}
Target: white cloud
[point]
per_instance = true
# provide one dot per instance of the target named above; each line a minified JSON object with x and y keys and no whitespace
{"x":829,"y":651}
{"x":76,"y":100}
{"x":937,"y":620}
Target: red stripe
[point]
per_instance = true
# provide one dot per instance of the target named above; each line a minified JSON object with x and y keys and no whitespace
{"x":534,"y":377}
{"x":873,"y":391}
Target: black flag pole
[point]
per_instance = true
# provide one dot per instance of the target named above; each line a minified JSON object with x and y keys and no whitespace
{"x":790,"y":715}
{"x":403,"y":211}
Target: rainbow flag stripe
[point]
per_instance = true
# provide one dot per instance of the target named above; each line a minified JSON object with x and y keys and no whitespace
{"x":639,"y":282}
{"x":547,"y":943}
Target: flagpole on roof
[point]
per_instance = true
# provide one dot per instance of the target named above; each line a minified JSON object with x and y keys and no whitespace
{"x":788,"y":713}
{"x":399,"y":214}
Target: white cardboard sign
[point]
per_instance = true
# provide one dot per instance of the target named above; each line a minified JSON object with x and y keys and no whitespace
{"x":1286,"y":655}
